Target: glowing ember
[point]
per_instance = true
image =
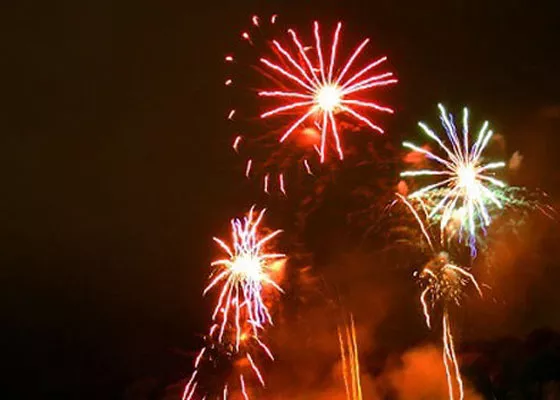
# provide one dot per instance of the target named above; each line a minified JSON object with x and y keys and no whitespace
{"x":445,"y":282}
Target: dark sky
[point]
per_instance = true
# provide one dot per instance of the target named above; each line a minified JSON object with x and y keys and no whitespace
{"x":115,"y":166}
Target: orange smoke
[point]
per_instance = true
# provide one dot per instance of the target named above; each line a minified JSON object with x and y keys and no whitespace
{"x":415,"y":157}
{"x":422,"y":376}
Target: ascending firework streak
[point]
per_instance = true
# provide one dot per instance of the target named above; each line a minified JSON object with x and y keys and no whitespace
{"x":350,"y":362}
{"x":466,"y":187}
{"x":445,"y":283}
{"x":316,"y":88}
{"x":247,"y":281}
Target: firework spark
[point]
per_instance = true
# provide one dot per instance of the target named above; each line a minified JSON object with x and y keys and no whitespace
{"x":312,"y":95}
{"x":450,"y":360}
{"x":216,"y":357}
{"x":350,"y":362}
{"x":466,"y":188}
{"x":319,"y":90}
{"x":445,"y":284}
{"x":246,"y":280}
{"x":244,"y":275}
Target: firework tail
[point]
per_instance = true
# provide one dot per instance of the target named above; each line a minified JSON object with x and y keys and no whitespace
{"x":349,"y":360}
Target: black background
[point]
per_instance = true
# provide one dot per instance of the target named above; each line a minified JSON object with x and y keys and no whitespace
{"x":115,"y":166}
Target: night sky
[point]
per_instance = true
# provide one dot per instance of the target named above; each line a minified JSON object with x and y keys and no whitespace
{"x":116,"y":168}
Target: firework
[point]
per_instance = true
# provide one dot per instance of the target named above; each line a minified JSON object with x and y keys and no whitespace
{"x":220,"y":361}
{"x":310,"y":97}
{"x":444,"y":284}
{"x":317,"y":89}
{"x":246,"y":280}
{"x":245,"y":276}
{"x":350,"y":363}
{"x":466,"y":187}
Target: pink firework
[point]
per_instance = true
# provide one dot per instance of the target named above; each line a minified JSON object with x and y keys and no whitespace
{"x":316,"y":89}
{"x":244,"y":277}
{"x":247,"y":280}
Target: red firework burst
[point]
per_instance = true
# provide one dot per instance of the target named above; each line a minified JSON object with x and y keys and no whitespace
{"x":306,"y":99}
{"x":318,"y":91}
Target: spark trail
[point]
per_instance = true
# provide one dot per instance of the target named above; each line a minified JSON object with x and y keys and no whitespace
{"x":219,"y":361}
{"x":444,"y":283}
{"x":349,"y":361}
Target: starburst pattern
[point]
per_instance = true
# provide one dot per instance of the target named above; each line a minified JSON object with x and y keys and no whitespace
{"x":318,"y":90}
{"x":244,"y":275}
{"x":247,"y":278}
{"x":466,"y":187}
